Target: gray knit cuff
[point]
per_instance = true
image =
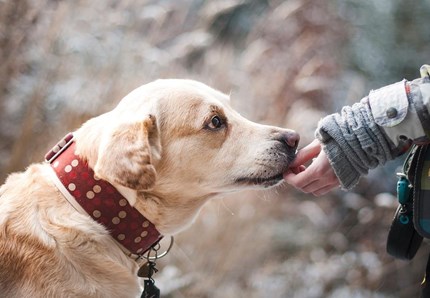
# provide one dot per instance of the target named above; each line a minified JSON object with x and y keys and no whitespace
{"x":354,"y":143}
{"x":348,"y":176}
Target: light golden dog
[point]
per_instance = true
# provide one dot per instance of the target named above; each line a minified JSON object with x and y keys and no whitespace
{"x":168,"y":147}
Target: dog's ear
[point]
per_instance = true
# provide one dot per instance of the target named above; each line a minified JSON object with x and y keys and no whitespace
{"x":127,"y":152}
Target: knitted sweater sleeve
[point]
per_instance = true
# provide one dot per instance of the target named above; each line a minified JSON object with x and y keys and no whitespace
{"x":377,"y":129}
{"x":354,"y":143}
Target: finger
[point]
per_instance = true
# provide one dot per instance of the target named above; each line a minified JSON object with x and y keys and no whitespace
{"x":318,"y":182}
{"x":307,"y":153}
{"x":315,"y":186}
{"x":297,"y":170}
{"x":325,"y":190}
{"x":290,"y":178}
{"x":300,"y":180}
{"x":311,"y":177}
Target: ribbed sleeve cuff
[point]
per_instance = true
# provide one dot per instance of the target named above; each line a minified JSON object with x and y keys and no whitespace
{"x":345,"y":172}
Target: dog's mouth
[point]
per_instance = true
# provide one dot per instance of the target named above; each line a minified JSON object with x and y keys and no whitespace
{"x":271,"y":173}
{"x":261,"y":181}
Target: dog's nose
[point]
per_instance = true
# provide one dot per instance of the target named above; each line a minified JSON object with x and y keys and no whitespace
{"x":291,"y":138}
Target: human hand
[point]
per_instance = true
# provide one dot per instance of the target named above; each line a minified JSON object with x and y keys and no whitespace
{"x":318,"y":178}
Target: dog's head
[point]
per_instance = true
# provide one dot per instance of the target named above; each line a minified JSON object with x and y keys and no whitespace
{"x":181,"y":139}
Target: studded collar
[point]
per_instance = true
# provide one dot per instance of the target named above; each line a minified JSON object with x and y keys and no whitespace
{"x":99,"y":199}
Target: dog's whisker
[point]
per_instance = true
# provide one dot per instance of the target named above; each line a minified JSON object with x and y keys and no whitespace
{"x":226,"y":207}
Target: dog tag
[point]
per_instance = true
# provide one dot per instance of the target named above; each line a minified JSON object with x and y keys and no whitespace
{"x":150,"y":290}
{"x":145,"y":271}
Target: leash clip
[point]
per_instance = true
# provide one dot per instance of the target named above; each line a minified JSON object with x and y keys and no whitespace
{"x":156,"y":248}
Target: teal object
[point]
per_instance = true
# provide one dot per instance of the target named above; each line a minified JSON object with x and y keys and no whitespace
{"x":404,"y":219}
{"x":403,"y":189}
{"x":425,"y":225}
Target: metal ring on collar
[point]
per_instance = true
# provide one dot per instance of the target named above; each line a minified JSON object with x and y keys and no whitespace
{"x":159,"y":256}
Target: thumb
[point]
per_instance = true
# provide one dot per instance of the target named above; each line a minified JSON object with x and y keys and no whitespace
{"x":307,"y":153}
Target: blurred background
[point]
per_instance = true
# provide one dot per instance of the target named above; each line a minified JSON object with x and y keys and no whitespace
{"x":285,"y":63}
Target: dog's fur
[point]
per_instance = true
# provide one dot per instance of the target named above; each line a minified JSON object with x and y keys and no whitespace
{"x":160,"y":148}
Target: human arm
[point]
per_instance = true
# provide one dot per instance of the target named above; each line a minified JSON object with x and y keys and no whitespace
{"x":368,"y":134}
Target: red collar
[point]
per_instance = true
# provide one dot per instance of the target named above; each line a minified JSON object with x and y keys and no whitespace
{"x":100,"y":200}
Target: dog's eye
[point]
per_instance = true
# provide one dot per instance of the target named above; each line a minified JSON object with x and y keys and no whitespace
{"x":215,"y":123}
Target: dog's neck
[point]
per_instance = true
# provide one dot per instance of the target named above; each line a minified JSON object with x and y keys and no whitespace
{"x":171,"y":213}
{"x":101,"y":200}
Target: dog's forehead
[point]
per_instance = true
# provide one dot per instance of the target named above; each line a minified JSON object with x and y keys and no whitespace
{"x":191,"y":94}
{"x":196,"y":90}
{"x":171,"y":97}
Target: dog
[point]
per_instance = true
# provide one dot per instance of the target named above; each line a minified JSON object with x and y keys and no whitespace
{"x":166,"y":149}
